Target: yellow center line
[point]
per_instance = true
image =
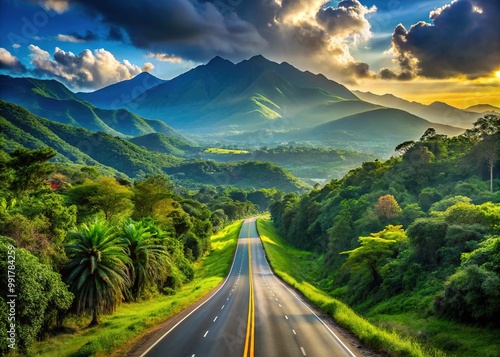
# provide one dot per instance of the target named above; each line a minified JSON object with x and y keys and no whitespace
{"x":250,"y":336}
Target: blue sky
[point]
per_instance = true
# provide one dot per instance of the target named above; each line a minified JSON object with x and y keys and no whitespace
{"x":93,"y":43}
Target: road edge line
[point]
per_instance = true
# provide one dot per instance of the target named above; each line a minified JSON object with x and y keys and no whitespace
{"x":302,"y":302}
{"x":203,"y":303}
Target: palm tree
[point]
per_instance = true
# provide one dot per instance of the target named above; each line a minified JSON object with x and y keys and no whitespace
{"x":98,"y":272}
{"x":148,"y":255}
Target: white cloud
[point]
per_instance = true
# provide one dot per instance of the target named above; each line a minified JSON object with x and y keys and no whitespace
{"x":164,"y":57}
{"x":58,"y":6}
{"x":148,"y":67}
{"x":10,"y":62}
{"x":89,"y":69}
{"x":68,"y":38}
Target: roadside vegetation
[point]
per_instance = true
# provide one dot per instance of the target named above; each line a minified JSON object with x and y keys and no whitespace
{"x":413,"y":243}
{"x":117,"y":332}
{"x":300,"y":268}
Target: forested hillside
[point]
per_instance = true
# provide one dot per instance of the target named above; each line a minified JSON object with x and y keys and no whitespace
{"x":84,"y":243}
{"x":116,"y":156}
{"x":302,"y":161}
{"x":415,"y":236}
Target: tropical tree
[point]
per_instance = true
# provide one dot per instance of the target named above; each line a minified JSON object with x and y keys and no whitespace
{"x":373,"y":250}
{"x":148,"y":192}
{"x":98,"y":269}
{"x":387,"y":207}
{"x":487,"y":130}
{"x":32,"y":168}
{"x":147,"y":253}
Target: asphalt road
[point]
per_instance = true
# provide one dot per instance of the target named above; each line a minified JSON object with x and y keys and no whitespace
{"x":252,"y":314}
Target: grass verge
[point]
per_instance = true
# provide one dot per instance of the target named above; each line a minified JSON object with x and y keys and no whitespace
{"x":294,"y":266}
{"x":132,"y":320}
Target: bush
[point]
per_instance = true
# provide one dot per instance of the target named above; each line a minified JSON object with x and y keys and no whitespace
{"x":41,"y":296}
{"x":472,"y":294}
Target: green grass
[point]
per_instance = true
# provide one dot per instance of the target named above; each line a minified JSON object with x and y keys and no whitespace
{"x":226,"y":151}
{"x":294,"y":267}
{"x":456,"y":339}
{"x":118,"y":331}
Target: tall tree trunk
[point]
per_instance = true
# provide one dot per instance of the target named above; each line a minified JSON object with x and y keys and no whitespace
{"x":95,"y":315}
{"x":492,"y":164}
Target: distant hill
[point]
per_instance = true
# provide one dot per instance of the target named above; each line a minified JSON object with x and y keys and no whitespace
{"x":243,"y":96}
{"x":377,"y":131}
{"x":20,"y":128}
{"x":52,"y":100}
{"x":483,"y":108}
{"x":245,"y":174}
{"x":159,"y":142}
{"x":436,"y":112}
{"x":116,"y":95}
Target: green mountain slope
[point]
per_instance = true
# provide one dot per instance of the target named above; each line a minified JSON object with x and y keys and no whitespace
{"x":377,"y":131}
{"x":20,"y":128}
{"x":243,"y":96}
{"x":247,"y":174}
{"x":159,"y":142}
{"x":437,"y":112}
{"x":116,"y":95}
{"x":52,"y":100}
{"x":30,"y":131}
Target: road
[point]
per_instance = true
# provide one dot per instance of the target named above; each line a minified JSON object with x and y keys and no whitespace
{"x":252,"y":314}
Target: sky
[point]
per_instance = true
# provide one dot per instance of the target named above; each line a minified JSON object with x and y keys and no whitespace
{"x":422,"y":50}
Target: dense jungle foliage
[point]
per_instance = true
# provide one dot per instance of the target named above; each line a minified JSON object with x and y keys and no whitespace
{"x":419,"y":232}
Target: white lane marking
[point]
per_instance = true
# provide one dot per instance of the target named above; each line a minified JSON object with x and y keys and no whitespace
{"x":222,"y":307}
{"x":205,"y":335}
{"x":312,"y":312}
{"x":203,"y":303}
{"x":294,"y":332}
{"x":227,"y":299}
{"x":215,"y":318}
{"x":279,"y":305}
{"x":303,"y":351}
{"x":286,"y":317}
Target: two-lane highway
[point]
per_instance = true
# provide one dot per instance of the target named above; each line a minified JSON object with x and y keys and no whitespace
{"x":252,"y":314}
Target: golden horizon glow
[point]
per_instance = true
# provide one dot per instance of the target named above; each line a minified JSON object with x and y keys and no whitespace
{"x":460,"y":93}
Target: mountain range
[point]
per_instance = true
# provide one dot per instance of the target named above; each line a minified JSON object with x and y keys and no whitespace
{"x":52,"y":100}
{"x":148,"y":125}
{"x":231,"y":103}
{"x":437,"y":112}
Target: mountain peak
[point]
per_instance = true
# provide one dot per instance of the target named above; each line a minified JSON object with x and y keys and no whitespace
{"x":219,"y":61}
{"x":258,"y":58}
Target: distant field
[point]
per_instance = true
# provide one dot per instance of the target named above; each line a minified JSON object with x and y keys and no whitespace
{"x":226,"y":151}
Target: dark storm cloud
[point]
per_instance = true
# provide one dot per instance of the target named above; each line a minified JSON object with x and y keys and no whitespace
{"x":304,"y":32}
{"x":115,"y":34}
{"x":89,"y":36}
{"x":195,"y":29}
{"x":464,"y":39}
